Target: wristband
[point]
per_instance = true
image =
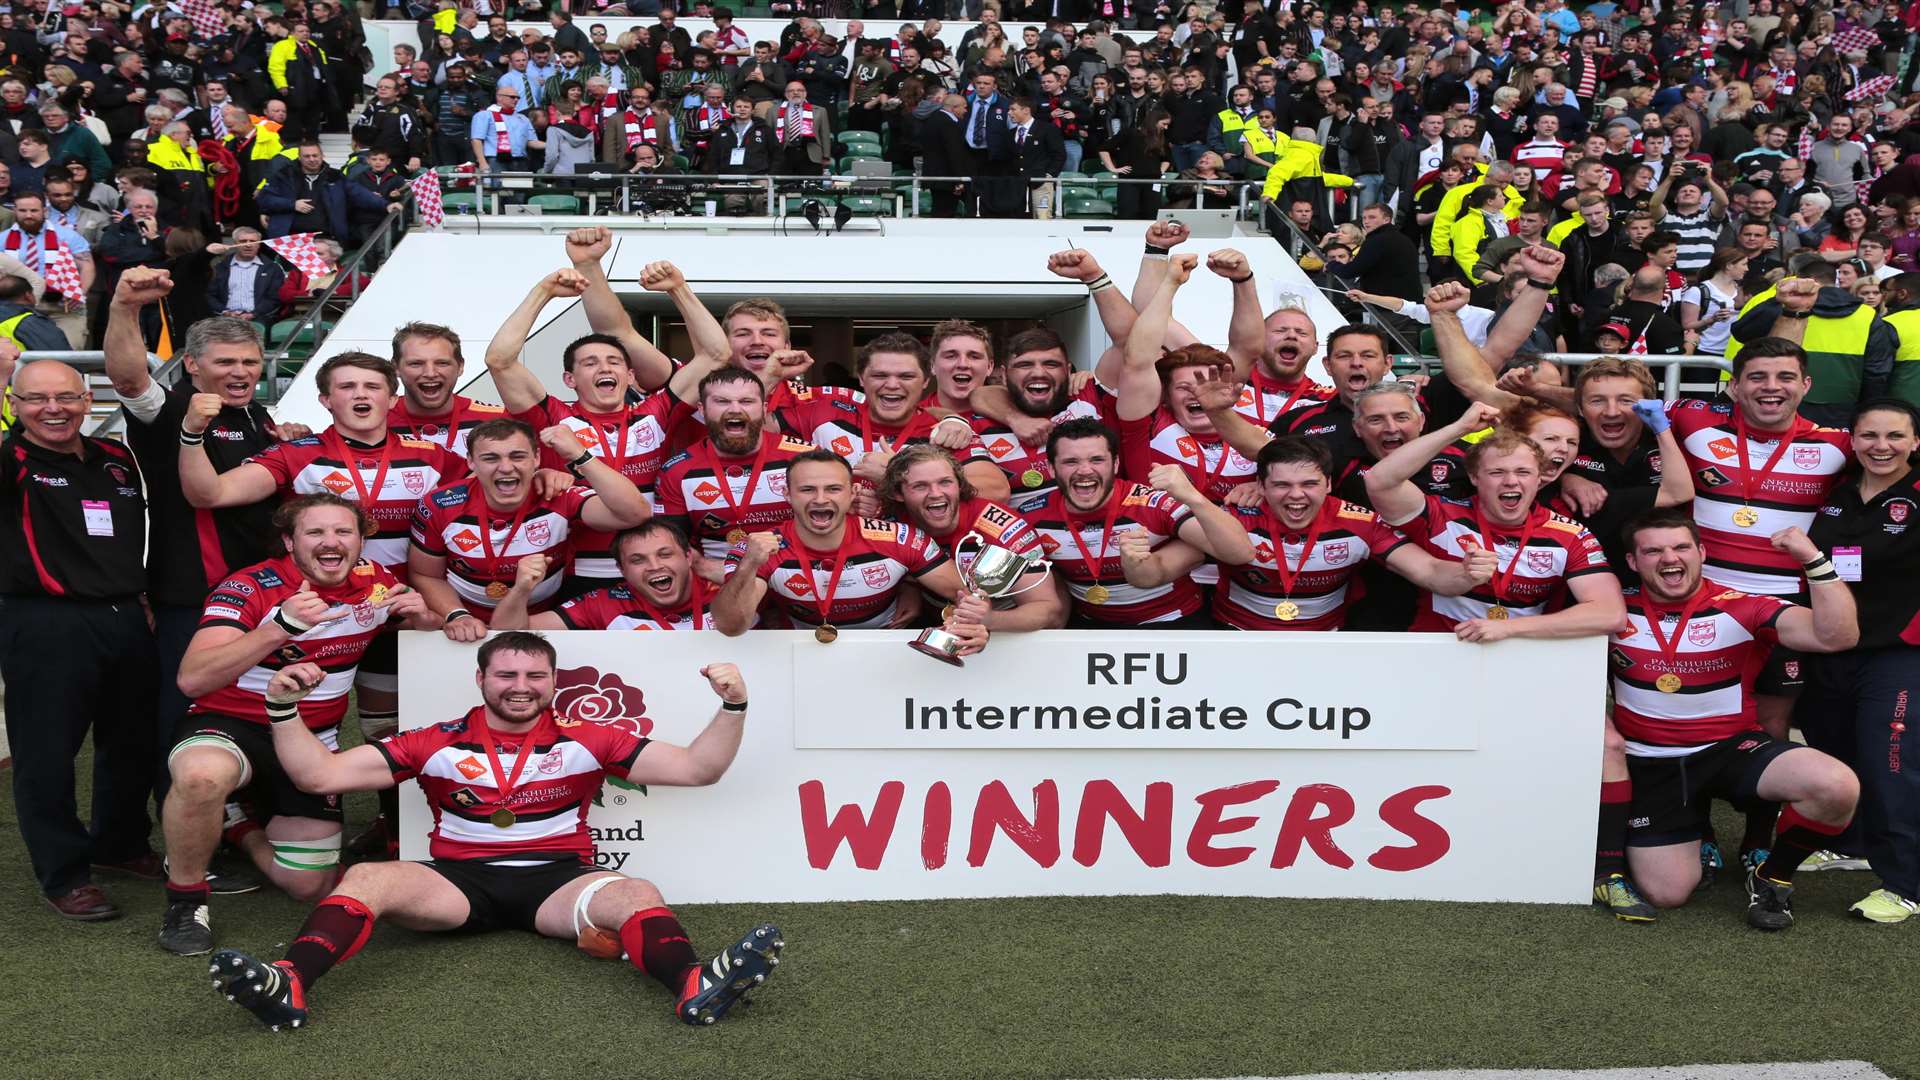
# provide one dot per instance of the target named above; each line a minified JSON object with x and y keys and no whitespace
{"x":1785,"y":314}
{"x":456,"y":613}
{"x":953,"y":420}
{"x":294,"y":627}
{"x":1242,"y":280}
{"x":1156,"y":252}
{"x":580,"y":462}
{"x":192,"y":438}
{"x":279,"y":712}
{"x":1821,"y":570}
{"x":1543,"y":286}
{"x":1103,"y":282}
{"x":733,"y":706}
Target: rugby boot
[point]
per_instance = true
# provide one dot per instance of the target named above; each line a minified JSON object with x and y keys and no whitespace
{"x":1711,"y":862}
{"x":1831,"y":860}
{"x":1615,"y":893}
{"x":716,"y":986}
{"x":1769,"y":903}
{"x":187,"y":928}
{"x":271,"y":992}
{"x":1750,"y":860}
{"x":1885,"y":906}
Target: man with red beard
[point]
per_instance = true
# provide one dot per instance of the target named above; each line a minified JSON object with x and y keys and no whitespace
{"x":925,"y":488}
{"x":1307,"y":545}
{"x":428,"y":360}
{"x":1145,"y":540}
{"x":1683,"y":681}
{"x":827,"y":571}
{"x":1538,"y":552}
{"x":733,"y":482}
{"x":468,"y":537}
{"x":630,"y":438}
{"x":658,"y":589}
{"x":866,"y":428}
{"x":1270,"y":355}
{"x":1039,"y":391}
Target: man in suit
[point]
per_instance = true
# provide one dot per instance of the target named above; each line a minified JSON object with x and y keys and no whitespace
{"x":1036,"y":152}
{"x":943,"y":141}
{"x":240,"y":282}
{"x":744,"y":147}
{"x":804,"y":133}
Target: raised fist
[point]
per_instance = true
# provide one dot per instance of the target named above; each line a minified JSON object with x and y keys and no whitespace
{"x":760,"y":548}
{"x":565,"y":283}
{"x":530,"y":571}
{"x":1076,"y":264}
{"x":589,"y":244}
{"x":1797,"y":294}
{"x":1166,"y":234}
{"x":1480,"y":563}
{"x":142,"y":285}
{"x":789,"y":363}
{"x":662,"y":276}
{"x":726,"y":682}
{"x":1173,"y":480}
{"x":201,"y":409}
{"x":1229,"y":264}
{"x":560,"y":439}
{"x":1479,"y":415}
{"x":1541,"y":262}
{"x":1447,"y":296}
{"x":1180,"y":268}
{"x":294,"y":682}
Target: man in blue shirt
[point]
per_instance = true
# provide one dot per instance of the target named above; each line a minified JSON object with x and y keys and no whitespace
{"x":502,"y":135}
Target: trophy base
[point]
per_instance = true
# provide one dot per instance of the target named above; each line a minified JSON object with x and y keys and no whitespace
{"x":925,"y":649}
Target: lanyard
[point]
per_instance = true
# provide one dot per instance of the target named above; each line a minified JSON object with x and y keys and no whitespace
{"x":821,"y":600}
{"x":696,"y":603}
{"x":1260,"y":399}
{"x":1289,"y":576}
{"x":1214,"y":472}
{"x":486,"y":528}
{"x":1747,"y":484}
{"x":1500,"y":579}
{"x":1094,"y":565}
{"x":1670,"y":647}
{"x":505,"y":782}
{"x":753,"y":480}
{"x":351,"y":460}
{"x":616,"y":453}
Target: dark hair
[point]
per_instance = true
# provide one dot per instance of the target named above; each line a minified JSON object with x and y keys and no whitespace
{"x":287,"y":514}
{"x":895,"y":342}
{"x":728,"y":375}
{"x":1293,"y":450}
{"x":574,"y":346}
{"x":826,"y":457}
{"x":500,"y":431}
{"x":1767,"y":348}
{"x":1887,"y":404}
{"x":1663,"y":518}
{"x":1351,"y":329}
{"x":357,"y":359}
{"x":520,"y":641}
{"x":1038,"y":339}
{"x":1659,"y":239}
{"x":649,"y":527}
{"x":15,"y":289}
{"x":1084,"y":427}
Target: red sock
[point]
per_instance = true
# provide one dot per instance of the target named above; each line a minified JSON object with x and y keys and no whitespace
{"x":336,"y":930}
{"x":1795,"y":839}
{"x":658,"y":946}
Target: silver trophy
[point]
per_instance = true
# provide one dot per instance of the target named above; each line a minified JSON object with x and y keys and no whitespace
{"x":992,"y":573}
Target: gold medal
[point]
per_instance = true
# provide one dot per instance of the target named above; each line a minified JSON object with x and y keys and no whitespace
{"x":496,"y":590}
{"x":946,"y":613}
{"x":1498,"y":612}
{"x":734,"y":536}
{"x":825,"y":633}
{"x":502,"y":818}
{"x":1098,"y":594}
{"x":1746,"y":517}
{"x":1032,"y":478}
{"x":1668,"y":683}
{"x":1286,"y":611}
{"x":377,"y":595}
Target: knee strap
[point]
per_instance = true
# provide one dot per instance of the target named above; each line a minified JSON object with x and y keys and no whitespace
{"x":217,"y":742}
{"x":318,"y":854}
{"x":378,"y":725}
{"x":581,"y":922}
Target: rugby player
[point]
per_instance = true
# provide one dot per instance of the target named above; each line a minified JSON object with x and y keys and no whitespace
{"x":508,"y":851}
{"x":319,"y":605}
{"x":427,"y":358}
{"x":734,"y":481}
{"x":658,"y":590}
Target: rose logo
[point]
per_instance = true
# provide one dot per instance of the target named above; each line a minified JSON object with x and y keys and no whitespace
{"x":585,"y":696}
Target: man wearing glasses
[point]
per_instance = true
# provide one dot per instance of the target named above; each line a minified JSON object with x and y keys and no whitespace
{"x":501,"y":134}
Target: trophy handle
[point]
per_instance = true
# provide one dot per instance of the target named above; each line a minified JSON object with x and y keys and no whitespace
{"x":1046,"y":571}
{"x":960,"y":565}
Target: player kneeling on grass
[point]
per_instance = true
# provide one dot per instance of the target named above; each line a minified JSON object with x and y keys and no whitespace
{"x":1684,"y":665}
{"x":506,"y":853}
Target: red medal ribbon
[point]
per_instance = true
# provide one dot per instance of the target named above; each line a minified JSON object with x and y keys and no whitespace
{"x":1501,"y":577}
{"x":1300,"y":386}
{"x":1289,"y":576}
{"x":696,"y":602}
{"x":1670,"y":647}
{"x":504,"y":782}
{"x":1747,"y":484}
{"x":616,"y":455}
{"x":753,"y":481}
{"x":1094,"y":565}
{"x":821,"y":600}
{"x":337,"y":446}
{"x":486,"y":527}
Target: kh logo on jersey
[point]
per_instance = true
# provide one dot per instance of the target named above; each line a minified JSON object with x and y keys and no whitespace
{"x":777,"y":483}
{"x":1791,"y":668}
{"x":1806,"y":458}
{"x":470,"y":767}
{"x":585,"y":696}
{"x":1897,"y":511}
{"x":337,"y":482}
{"x":414,"y":480}
{"x":1438,"y":470}
{"x":466,"y":540}
{"x":554,"y":758}
{"x":364,"y":614}
{"x":1702,"y":633}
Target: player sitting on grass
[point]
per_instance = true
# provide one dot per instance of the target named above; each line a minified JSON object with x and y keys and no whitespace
{"x":509,"y":787}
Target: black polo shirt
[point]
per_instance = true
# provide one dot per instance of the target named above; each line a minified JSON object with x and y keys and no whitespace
{"x":71,"y":526}
{"x":193,"y":549}
{"x":1887,"y":532}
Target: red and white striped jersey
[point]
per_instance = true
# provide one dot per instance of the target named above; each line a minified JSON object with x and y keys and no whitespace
{"x":251,"y":596}
{"x":1546,"y":158}
{"x":858,"y":585}
{"x":997,"y":525}
{"x":1130,"y":506}
{"x":1804,"y":470}
{"x":1535,"y":561}
{"x":837,"y":419}
{"x":1029,"y":473}
{"x":690,"y":482}
{"x":633,"y":441}
{"x":483,"y":547}
{"x":550,"y":799}
{"x":615,"y":607}
{"x":1348,"y":536}
{"x":448,"y":432}
{"x":1717,"y":655}
{"x":394,"y":474}
{"x":1264,"y":397}
{"x":1214,"y":467}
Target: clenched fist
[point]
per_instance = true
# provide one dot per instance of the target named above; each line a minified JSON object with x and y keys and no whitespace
{"x":201,"y":409}
{"x":726,"y":682}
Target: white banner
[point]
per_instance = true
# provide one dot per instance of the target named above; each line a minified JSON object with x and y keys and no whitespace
{"x":1089,"y":763}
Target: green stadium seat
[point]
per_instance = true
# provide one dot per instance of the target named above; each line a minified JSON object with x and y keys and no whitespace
{"x":299,"y":346}
{"x":555,"y":204}
{"x":864,"y":150}
{"x":848,"y":138}
{"x":877,"y":205}
{"x":680,"y":162}
{"x":1086,"y":206}
{"x":460,"y":202}
{"x":792,"y":204}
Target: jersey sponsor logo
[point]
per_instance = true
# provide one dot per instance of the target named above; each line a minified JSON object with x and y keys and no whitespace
{"x":798,"y":585}
{"x":363,"y":568}
{"x":1723,"y":448}
{"x":414,"y":480}
{"x":875,"y":575}
{"x":1000,"y":447}
{"x":551,"y":762}
{"x":1806,"y":458}
{"x":221,"y":611}
{"x":1189,"y":447}
{"x":1897,"y":511}
{"x":1540,"y":562}
{"x":337,"y":482}
{"x":449,"y":497}
{"x":1334,"y":551}
{"x":713,"y":523}
{"x":291,"y":653}
{"x":228,"y":434}
{"x":841,"y":445}
{"x":707,"y":491}
{"x":1713,"y":477}
{"x":464,"y":798}
{"x":1438,"y":470}
{"x":466,"y":540}
{"x":470,"y":767}
{"x":1746,"y":745}
{"x":874,"y":529}
{"x":1621,"y":658}
{"x":1246,"y":398}
{"x":777,"y":482}
{"x":584,"y":695}
{"x":50,"y":481}
{"x":539,"y":532}
{"x":1653,"y":462}
{"x":1702,"y":633}
{"x":1049,"y":544}
{"x":1262,"y":551}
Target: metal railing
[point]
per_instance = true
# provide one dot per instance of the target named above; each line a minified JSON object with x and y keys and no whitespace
{"x":104,"y":413}
{"x":1374,"y":312}
{"x":1670,"y":370}
{"x":305,"y":335}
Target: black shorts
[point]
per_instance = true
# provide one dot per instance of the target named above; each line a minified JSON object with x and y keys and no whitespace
{"x":383,"y":654}
{"x":265,"y":785}
{"x":1783,"y":674}
{"x":1670,"y":795}
{"x":508,"y":897}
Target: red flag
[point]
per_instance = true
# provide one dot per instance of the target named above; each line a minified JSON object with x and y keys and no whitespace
{"x":300,"y":250}
{"x":208,"y":20}
{"x":426,"y":195}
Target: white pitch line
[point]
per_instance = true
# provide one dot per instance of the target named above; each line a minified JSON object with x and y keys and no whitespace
{"x":1809,"y":1070}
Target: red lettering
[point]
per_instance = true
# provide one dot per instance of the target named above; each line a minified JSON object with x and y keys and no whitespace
{"x":1149,"y":834}
{"x":936,"y":825}
{"x":1430,"y":839}
{"x":995,"y":810}
{"x":865,"y":836}
{"x":1210,"y":824}
{"x":1303,"y":823}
